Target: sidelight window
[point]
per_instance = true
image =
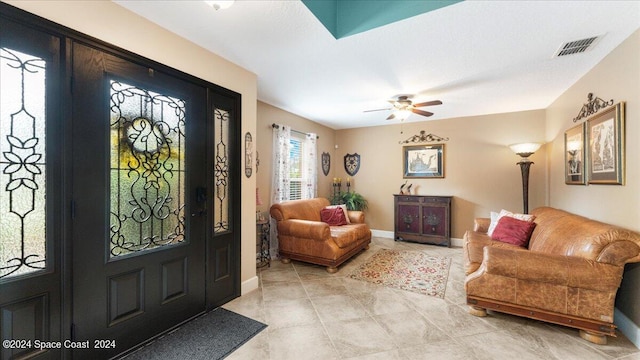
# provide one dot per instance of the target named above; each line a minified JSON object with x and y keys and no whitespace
{"x":22,"y":164}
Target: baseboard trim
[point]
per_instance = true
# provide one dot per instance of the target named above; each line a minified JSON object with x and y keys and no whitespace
{"x":455,"y":242}
{"x":249,"y":285}
{"x":627,"y":327}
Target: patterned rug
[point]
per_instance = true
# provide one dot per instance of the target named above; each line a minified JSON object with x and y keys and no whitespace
{"x":406,"y":270}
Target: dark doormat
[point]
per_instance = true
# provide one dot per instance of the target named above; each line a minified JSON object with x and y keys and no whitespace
{"x":214,"y":335}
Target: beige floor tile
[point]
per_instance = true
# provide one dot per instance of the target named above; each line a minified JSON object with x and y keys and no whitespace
{"x":358,"y":337}
{"x":288,"y":313}
{"x":456,"y":322}
{"x":410,"y":328}
{"x":440,"y":350}
{"x":385,"y":355}
{"x":278,"y":275}
{"x":301,"y":342}
{"x":283,"y":291}
{"x":382,"y":301}
{"x":324,"y":287}
{"x":338,"y":307}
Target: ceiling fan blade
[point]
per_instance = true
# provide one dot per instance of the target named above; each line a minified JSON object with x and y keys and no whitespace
{"x":428,"y":103}
{"x":421,"y":112}
{"x":377,"y":110}
{"x":391,"y":117}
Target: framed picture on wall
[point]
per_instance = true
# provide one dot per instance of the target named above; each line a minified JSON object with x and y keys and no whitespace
{"x":574,"y":155}
{"x":423,"y":161}
{"x":605,"y":134}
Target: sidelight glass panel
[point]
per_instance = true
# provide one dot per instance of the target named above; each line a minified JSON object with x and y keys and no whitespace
{"x":22,"y":163}
{"x":147,"y":169}
{"x":221,"y":171}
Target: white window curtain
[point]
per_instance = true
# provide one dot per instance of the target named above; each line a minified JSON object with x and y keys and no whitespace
{"x":310,"y":166}
{"x":280,"y":184}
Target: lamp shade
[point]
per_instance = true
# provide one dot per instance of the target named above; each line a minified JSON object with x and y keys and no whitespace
{"x":525,"y":149}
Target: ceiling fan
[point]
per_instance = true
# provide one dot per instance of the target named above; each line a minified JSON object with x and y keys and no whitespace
{"x":403,"y":107}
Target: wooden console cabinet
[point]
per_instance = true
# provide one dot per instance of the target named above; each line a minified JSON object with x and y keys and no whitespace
{"x":423,"y":219}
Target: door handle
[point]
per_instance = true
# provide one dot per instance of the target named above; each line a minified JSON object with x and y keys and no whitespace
{"x":201,"y":199}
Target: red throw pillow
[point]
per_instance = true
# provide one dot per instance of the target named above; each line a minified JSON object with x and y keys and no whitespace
{"x":513,"y":231}
{"x":333,"y":217}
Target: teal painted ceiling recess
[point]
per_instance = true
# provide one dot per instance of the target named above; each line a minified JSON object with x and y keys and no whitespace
{"x":348,"y":17}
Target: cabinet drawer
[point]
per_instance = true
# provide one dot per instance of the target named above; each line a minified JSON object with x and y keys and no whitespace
{"x":414,"y":199}
{"x":438,"y":200}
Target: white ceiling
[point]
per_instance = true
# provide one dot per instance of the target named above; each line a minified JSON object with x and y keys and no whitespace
{"x":478,"y":57}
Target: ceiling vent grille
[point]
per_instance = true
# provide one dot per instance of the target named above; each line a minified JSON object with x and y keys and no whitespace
{"x":576,"y":47}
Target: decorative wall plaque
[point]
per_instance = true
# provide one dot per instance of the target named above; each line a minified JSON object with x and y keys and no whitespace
{"x":326,"y":163}
{"x":352,"y":163}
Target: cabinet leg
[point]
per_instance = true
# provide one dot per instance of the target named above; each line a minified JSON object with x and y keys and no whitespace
{"x":332,"y":269}
{"x":594,"y":338}
{"x":476,"y":311}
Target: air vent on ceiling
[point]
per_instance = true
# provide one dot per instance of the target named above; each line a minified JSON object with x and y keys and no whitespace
{"x":576,"y":47}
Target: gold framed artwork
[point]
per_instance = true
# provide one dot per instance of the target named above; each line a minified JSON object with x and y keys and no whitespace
{"x":605,"y":139}
{"x":574,"y":155}
{"x":423,"y":161}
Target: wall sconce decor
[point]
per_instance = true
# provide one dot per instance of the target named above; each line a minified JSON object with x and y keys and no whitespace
{"x":248,"y":154}
{"x":525,"y":150}
{"x":574,"y":151}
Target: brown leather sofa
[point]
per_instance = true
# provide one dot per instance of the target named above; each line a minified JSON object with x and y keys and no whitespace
{"x":569,"y":274}
{"x":303,"y":236}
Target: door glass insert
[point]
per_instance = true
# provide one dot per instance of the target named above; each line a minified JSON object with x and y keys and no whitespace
{"x":22,"y":164}
{"x":147,"y":169}
{"x":221,"y":171}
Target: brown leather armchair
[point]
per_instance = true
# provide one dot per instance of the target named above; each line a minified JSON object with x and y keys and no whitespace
{"x":569,"y":274}
{"x":303,"y":236}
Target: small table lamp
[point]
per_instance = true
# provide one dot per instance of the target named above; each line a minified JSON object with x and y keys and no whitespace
{"x":525,"y":150}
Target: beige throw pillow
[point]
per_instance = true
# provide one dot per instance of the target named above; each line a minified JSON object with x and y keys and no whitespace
{"x":495,"y":217}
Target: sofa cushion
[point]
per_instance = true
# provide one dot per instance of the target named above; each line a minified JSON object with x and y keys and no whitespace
{"x":495,"y":217}
{"x":344,"y":209}
{"x":346,"y":235}
{"x":333,"y":217}
{"x":513,"y":231}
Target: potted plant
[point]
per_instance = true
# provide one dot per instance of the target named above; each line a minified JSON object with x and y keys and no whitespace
{"x":354,"y":201}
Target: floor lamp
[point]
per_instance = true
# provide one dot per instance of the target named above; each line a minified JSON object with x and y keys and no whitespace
{"x":525,"y":150}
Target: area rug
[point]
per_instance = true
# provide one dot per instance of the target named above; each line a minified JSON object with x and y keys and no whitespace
{"x":406,"y":270}
{"x":214,"y":335}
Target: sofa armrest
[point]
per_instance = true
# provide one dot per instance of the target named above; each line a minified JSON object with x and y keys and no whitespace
{"x":481,"y":224}
{"x":568,"y":271}
{"x":356,"y":217}
{"x":309,"y":229}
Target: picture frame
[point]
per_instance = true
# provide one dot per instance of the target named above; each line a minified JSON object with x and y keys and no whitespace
{"x":606,"y":138}
{"x":423,"y":161}
{"x":574,"y":155}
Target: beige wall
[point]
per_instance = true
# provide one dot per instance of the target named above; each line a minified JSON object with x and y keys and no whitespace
{"x":616,"y":77}
{"x":268,"y":115}
{"x":480,"y":170}
{"x":112,"y":23}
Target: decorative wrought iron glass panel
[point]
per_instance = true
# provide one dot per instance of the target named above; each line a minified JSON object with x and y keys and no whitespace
{"x":147,"y":169}
{"x":23,"y":240}
{"x":221,"y":171}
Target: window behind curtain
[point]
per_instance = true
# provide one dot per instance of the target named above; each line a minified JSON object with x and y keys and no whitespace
{"x":296,"y":173}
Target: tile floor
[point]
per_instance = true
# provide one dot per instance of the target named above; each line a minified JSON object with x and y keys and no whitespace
{"x":316,"y":315}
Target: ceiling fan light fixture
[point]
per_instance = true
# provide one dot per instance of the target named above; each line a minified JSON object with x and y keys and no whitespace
{"x":402,"y":114}
{"x":220,"y":4}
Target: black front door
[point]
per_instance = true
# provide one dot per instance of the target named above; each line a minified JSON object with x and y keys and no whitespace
{"x":32,"y":210}
{"x":139,"y":202}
